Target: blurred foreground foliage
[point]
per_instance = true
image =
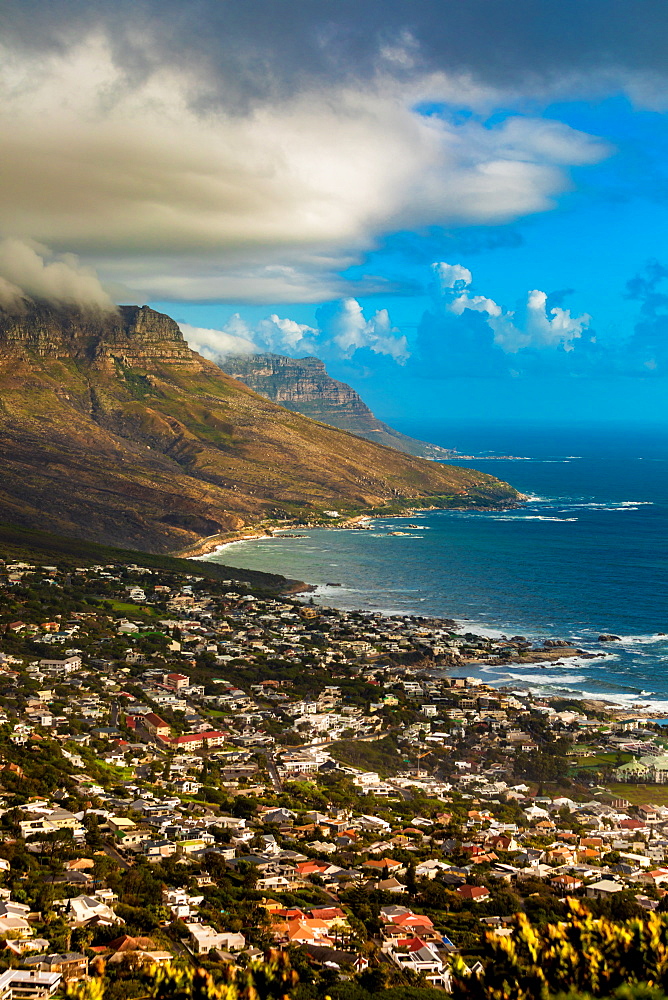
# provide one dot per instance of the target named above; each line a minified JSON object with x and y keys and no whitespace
{"x":580,"y":957}
{"x":270,"y":979}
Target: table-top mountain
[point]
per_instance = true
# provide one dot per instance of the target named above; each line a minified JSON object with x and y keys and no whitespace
{"x":113,"y":430}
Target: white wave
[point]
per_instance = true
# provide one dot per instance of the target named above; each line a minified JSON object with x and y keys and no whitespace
{"x":547,"y":678}
{"x":327,"y":589}
{"x":530,"y":517}
{"x":641,"y":640}
{"x":210,"y":556}
{"x":582,"y":504}
{"x":577,"y":663}
{"x":629,"y":701}
{"x":550,"y":692}
{"x":462,"y":628}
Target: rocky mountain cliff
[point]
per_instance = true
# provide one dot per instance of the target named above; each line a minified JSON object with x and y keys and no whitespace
{"x":113,"y":430}
{"x":304,"y":386}
{"x":129,"y":335}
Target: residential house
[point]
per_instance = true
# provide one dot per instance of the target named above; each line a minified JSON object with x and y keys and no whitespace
{"x":205,"y":939}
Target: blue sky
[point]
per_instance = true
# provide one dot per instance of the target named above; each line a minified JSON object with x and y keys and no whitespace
{"x":601,"y":233}
{"x":462,"y":208}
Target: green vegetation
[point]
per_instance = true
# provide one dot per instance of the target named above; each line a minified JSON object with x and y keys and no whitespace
{"x":132,"y":609}
{"x":271,"y":979}
{"x":601,"y":761}
{"x":32,"y":545}
{"x":382,"y":755}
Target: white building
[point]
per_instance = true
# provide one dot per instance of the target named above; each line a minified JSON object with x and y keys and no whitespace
{"x":205,"y":939}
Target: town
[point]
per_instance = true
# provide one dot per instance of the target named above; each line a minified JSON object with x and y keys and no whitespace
{"x":195,"y":771}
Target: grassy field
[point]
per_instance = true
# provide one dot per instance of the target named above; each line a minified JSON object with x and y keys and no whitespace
{"x":597,"y":760}
{"x":119,"y":773}
{"x":657,"y":795}
{"x":132,"y":609}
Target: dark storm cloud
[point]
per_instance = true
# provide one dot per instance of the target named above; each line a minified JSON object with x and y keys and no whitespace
{"x":261,"y":47}
{"x":256,"y":150}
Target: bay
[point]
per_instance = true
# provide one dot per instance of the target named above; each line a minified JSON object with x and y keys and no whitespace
{"x":586,"y":555}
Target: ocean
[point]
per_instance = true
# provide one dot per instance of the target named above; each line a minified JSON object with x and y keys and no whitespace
{"x":586,"y":555}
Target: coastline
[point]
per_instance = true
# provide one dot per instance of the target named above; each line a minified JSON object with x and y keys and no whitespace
{"x":214,"y":543}
{"x":541,"y":570}
{"x":539,"y":656}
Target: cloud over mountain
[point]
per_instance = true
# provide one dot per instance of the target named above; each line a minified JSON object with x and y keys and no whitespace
{"x":343,"y":329}
{"x":30,"y":271}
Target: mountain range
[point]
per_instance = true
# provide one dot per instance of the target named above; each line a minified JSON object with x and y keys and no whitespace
{"x":114,"y":430}
{"x":303,"y":385}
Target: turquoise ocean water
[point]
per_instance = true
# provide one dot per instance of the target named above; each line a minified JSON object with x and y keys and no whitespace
{"x":587,"y":554}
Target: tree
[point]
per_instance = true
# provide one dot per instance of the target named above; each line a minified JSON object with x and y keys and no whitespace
{"x":410,"y":880}
{"x":249,"y":875}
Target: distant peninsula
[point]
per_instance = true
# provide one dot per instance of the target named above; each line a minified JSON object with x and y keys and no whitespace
{"x":304,"y":386}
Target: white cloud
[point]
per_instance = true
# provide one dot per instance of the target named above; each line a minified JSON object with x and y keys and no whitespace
{"x":477,"y":303}
{"x":343,"y":330}
{"x":29,"y":270}
{"x":285,"y":334}
{"x":234,"y":338}
{"x":349,"y":329}
{"x":452,"y":275}
{"x":554,"y":328}
{"x":532,"y":325}
{"x":237,"y":336}
{"x":131,"y":176}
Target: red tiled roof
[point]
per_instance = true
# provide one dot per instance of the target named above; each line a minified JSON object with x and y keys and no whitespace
{"x":472,"y":891}
{"x":191,"y":737}
{"x":156,"y":721}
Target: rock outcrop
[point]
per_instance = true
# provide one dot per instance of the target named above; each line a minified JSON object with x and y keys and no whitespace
{"x":304,"y":386}
{"x":129,"y":334}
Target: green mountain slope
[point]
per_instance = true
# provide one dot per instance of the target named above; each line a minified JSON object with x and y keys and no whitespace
{"x":113,"y":430}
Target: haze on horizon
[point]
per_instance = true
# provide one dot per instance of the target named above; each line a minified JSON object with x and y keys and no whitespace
{"x":460,"y":207}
